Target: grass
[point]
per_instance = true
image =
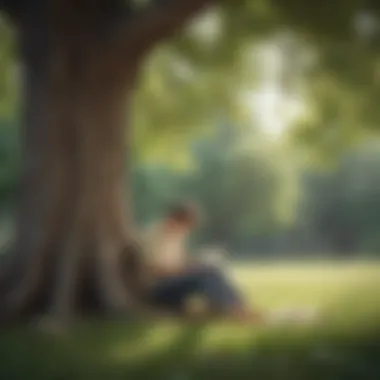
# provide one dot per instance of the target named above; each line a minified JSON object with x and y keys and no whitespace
{"x":345,"y":346}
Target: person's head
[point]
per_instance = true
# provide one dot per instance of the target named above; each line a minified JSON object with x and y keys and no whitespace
{"x":182,"y":217}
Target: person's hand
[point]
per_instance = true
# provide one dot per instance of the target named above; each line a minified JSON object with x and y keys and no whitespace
{"x":162,"y":272}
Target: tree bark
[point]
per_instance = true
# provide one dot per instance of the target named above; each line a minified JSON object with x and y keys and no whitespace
{"x":75,"y":224}
{"x":75,"y":219}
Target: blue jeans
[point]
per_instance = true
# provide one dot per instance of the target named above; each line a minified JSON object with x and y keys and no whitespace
{"x":209,"y":282}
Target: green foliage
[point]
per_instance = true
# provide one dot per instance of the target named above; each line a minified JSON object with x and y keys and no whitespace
{"x":264,"y":198}
{"x":243,"y":192}
{"x":202,"y":76}
{"x":9,"y":162}
{"x":188,"y":80}
{"x":345,"y":202}
{"x":8,"y":70}
{"x":154,"y":187}
{"x":339,"y":87}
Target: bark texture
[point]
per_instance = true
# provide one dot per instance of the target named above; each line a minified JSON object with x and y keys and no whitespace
{"x":75,"y":223}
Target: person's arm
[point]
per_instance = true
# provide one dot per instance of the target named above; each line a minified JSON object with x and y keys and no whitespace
{"x":163,"y":271}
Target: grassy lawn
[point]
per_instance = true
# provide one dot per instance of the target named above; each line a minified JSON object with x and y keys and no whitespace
{"x":346,"y":345}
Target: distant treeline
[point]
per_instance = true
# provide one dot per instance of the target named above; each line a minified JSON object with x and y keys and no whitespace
{"x":255,"y":201}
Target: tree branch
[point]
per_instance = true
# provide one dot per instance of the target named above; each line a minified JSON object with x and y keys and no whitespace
{"x":161,"y":20}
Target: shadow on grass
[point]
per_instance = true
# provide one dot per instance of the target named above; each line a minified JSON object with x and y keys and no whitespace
{"x":174,"y":351}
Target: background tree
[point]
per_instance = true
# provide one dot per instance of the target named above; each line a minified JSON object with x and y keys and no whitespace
{"x":243,"y":192}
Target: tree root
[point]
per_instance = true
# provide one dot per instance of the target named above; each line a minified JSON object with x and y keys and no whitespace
{"x":112,"y":288}
{"x":62,"y":288}
{"x":59,"y":293}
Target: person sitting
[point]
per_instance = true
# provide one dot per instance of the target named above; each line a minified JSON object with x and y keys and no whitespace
{"x":174,"y":277}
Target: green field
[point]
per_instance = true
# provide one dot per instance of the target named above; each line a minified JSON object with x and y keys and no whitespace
{"x":346,"y":345}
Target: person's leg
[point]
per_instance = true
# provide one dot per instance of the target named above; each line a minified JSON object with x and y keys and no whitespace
{"x":224,"y":297}
{"x":171,"y":292}
{"x":205,"y":281}
{"x":216,"y":288}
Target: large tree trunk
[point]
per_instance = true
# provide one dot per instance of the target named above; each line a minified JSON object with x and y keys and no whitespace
{"x":74,"y":221}
{"x":80,"y":60}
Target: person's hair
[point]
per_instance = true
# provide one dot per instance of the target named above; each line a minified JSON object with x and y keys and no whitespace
{"x":186,"y":212}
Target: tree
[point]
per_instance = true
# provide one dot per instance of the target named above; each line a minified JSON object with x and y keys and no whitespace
{"x":81,"y":61}
{"x":244,"y":192}
{"x":343,"y":204}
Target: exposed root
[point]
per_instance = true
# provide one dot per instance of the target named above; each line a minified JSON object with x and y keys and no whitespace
{"x":64,"y":286}
{"x":19,"y":290}
{"x":72,"y":281}
{"x":113,"y":292}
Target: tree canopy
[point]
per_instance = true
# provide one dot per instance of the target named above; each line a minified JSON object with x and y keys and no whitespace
{"x":206,"y":69}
